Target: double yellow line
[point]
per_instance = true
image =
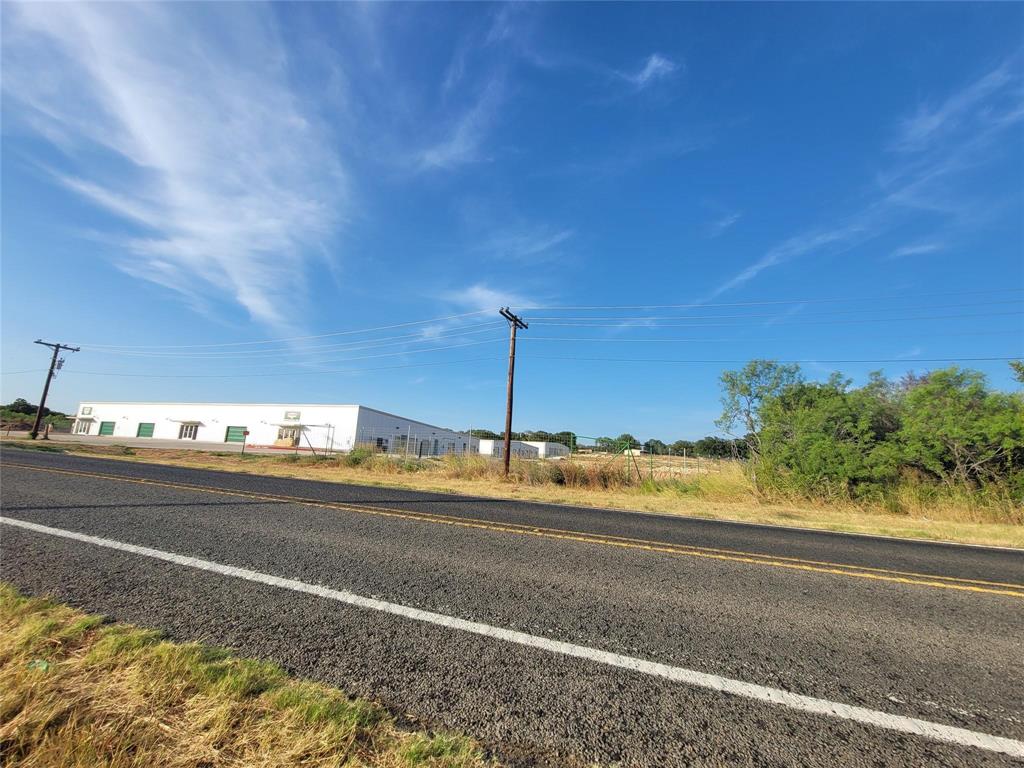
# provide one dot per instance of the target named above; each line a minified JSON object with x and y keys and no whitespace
{"x":623,"y":542}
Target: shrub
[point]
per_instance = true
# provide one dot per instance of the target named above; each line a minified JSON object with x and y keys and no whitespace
{"x":357,"y":456}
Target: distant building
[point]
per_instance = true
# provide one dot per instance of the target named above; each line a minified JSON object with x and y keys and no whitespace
{"x":283,"y":425}
{"x":549,"y":450}
{"x":496,"y":449}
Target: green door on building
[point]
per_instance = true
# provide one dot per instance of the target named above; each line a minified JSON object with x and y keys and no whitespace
{"x":145,"y":429}
{"x":235,"y":435}
{"x":106,"y":428}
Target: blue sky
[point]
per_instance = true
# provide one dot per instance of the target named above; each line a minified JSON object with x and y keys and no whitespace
{"x":820,"y":182}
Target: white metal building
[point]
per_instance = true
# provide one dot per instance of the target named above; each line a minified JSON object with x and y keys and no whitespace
{"x":284,"y":425}
{"x":496,"y":449}
{"x":549,"y":450}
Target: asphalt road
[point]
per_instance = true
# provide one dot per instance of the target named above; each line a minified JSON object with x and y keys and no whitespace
{"x":901,"y":629}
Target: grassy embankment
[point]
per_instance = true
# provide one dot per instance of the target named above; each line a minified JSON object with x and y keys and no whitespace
{"x":76,"y":691}
{"x":719,"y":490}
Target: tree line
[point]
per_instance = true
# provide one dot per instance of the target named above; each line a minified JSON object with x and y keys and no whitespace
{"x":946,"y":429}
{"x":710,"y":447}
{"x":21,"y":413}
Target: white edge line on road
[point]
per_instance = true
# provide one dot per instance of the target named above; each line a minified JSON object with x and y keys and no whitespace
{"x":911,"y":725}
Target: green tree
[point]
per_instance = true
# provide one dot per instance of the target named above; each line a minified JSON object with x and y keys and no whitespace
{"x":681,"y":447}
{"x":959,"y":430}
{"x":823,"y":439}
{"x":628,"y":440}
{"x":566,"y":438}
{"x":21,"y":405}
{"x":745,"y":391}
{"x":714,"y":447}
{"x":1018,"y":370}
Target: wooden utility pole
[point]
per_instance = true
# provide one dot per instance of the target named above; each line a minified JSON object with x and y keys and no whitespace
{"x":49,"y":377}
{"x":514,"y":323}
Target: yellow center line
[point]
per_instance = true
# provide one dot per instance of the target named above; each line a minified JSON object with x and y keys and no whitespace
{"x":815,"y":566}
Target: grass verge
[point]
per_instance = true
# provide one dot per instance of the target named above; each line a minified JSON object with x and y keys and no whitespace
{"x":721,"y":492}
{"x":77,"y":691}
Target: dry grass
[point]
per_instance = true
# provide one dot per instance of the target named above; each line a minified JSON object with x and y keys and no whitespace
{"x":75,"y":691}
{"x":719,"y":490}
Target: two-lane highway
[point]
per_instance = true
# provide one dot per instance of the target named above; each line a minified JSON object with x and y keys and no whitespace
{"x":553,"y":634}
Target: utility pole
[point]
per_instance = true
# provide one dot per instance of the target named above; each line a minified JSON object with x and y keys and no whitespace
{"x":49,"y":377}
{"x":514,"y":323}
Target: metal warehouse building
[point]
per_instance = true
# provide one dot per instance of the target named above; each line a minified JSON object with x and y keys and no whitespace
{"x":549,"y":450}
{"x":524,"y":449}
{"x":316,"y":427}
{"x":496,"y":449}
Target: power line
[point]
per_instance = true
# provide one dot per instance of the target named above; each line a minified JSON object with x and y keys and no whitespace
{"x":400,"y":353}
{"x":650,"y":324}
{"x":283,"y":373}
{"x":744,"y":315}
{"x":292,"y":338}
{"x":756,"y":339}
{"x":694,"y":305}
{"x":908,"y":360}
{"x":355,"y":346}
{"x":447,"y":318}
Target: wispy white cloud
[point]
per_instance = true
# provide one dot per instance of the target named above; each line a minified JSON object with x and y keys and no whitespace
{"x":831,"y":240}
{"x":721,"y":224}
{"x":790,"y":312}
{"x":526,"y":244}
{"x":188,"y":132}
{"x":656,"y":67}
{"x":481,"y":296}
{"x":463,"y":143}
{"x":508,"y":23}
{"x":909,"y":354}
{"x":634,"y":155}
{"x":917,"y":249}
{"x":930,"y":123}
{"x":935,"y":145}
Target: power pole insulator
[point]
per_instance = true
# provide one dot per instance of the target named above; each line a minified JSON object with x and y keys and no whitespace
{"x":54,"y":366}
{"x":514,"y":323}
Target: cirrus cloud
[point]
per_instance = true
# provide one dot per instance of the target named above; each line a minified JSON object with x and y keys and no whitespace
{"x":184,"y":126}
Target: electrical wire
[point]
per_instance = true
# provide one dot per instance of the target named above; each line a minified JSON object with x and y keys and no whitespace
{"x":400,"y":353}
{"x":353,"y":346}
{"x":259,"y":365}
{"x":800,"y":361}
{"x":694,"y":305}
{"x":530,"y":338}
{"x":749,"y":315}
{"x":620,"y":325}
{"x":292,"y":338}
{"x":283,"y":373}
